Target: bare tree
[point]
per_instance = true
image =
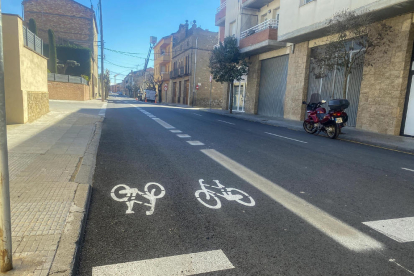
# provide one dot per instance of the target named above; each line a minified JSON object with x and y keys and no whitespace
{"x":152,"y":83}
{"x":350,"y":36}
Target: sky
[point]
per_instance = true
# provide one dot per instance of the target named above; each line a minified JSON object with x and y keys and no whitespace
{"x":128,"y":25}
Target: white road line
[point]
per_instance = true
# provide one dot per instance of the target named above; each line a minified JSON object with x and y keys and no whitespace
{"x":103,"y":110}
{"x":181,"y":265}
{"x":339,"y":231}
{"x":400,"y":230}
{"x":198,"y":114}
{"x":195,"y":143}
{"x":164,"y":124}
{"x":226,"y":122}
{"x":393,"y":261}
{"x":408,"y":169}
{"x":287,"y":138}
{"x":183,"y":135}
{"x":176,"y":131}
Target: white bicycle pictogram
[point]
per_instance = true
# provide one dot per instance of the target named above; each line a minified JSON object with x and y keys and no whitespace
{"x":124,"y":193}
{"x":210,"y":198}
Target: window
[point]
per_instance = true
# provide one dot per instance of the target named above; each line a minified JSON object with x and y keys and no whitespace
{"x":275,"y":15}
{"x":263,"y":18}
{"x":304,"y":2}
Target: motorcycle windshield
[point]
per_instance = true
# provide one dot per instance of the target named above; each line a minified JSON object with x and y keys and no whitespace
{"x":315,"y":98}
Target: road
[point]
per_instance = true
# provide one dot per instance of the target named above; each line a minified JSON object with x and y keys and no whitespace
{"x":233,"y":197}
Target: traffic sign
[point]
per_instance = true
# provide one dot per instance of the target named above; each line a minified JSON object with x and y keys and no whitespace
{"x":197,"y":87}
{"x":165,"y":87}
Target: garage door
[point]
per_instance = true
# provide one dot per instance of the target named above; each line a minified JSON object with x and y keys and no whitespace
{"x":272,"y":91}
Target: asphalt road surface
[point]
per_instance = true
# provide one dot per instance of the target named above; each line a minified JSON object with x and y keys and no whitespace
{"x":204,"y":194}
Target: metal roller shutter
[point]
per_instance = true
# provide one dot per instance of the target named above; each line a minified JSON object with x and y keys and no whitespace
{"x":272,"y":91}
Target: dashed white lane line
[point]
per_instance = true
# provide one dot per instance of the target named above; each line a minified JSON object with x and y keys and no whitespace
{"x":103,"y":109}
{"x":176,"y":131}
{"x":164,"y":124}
{"x":183,"y":135}
{"x":198,"y":114}
{"x":189,"y":264}
{"x":226,"y":122}
{"x":195,"y":143}
{"x":400,"y":230}
{"x":339,"y":231}
{"x":410,"y":170}
{"x":286,"y":138}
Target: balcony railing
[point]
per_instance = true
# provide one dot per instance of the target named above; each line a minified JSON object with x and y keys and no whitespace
{"x":32,"y":41}
{"x":221,"y":14}
{"x":222,"y":6}
{"x":268,"y":24}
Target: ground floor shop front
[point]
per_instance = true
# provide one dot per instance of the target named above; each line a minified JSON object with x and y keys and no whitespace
{"x":380,"y":89}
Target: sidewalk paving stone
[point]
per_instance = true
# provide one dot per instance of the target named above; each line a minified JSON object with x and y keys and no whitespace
{"x":44,"y":159}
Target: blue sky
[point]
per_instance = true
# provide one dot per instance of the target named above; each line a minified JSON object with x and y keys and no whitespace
{"x":128,"y":24}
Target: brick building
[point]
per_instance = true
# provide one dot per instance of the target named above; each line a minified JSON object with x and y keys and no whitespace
{"x":71,"y":22}
{"x":191,"y":52}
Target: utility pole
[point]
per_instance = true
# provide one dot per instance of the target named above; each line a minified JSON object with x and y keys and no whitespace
{"x":102,"y":55}
{"x":211,"y":87}
{"x":5,"y":217}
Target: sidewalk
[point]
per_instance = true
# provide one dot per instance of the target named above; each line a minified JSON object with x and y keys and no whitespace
{"x":51,"y":164}
{"x":399,"y":143}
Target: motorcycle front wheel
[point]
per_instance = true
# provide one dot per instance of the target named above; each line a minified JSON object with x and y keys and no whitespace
{"x":332,"y":131}
{"x":309,"y":128}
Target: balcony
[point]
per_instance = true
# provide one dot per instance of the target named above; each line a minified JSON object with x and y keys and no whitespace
{"x":165,"y":76}
{"x":174,"y":73}
{"x":260,"y":38}
{"x":163,"y":59}
{"x":255,"y":4}
{"x":221,"y":14}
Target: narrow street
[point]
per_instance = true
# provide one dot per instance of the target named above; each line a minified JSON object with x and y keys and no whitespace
{"x":204,"y":194}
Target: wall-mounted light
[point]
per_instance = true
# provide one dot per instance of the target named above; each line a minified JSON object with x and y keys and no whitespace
{"x":269,"y":11}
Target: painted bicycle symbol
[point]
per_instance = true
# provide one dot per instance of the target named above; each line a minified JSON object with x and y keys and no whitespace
{"x":124,"y":193}
{"x":211,"y":198}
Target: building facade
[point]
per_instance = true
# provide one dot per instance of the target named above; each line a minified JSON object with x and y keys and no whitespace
{"x":72,"y":23}
{"x":162,"y":65}
{"x":278,"y":37}
{"x":135,"y":83}
{"x":190,"y":75}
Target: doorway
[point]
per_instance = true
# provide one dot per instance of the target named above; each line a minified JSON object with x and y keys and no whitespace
{"x":408,"y":119}
{"x":186,"y":91}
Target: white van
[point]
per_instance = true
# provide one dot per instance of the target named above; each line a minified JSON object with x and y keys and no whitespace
{"x":150,"y":95}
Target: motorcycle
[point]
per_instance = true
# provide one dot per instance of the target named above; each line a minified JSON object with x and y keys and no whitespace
{"x":318,"y":120}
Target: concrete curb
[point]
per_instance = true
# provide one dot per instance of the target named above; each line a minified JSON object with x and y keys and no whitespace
{"x":66,"y":258}
{"x":383,"y":142}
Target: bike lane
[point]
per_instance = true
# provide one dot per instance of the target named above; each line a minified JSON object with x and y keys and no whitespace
{"x":261,"y":239}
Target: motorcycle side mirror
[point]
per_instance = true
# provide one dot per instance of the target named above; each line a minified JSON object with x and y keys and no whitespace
{"x":323,"y":102}
{"x":304,"y":102}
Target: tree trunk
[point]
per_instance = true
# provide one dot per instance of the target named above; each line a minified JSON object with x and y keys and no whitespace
{"x":231,"y":97}
{"x":345,"y":85}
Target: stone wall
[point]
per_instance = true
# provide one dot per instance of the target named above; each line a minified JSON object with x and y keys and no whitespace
{"x":384,"y":84}
{"x":186,"y":48}
{"x":68,"y":91}
{"x":297,"y":82}
{"x":37,"y":105}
